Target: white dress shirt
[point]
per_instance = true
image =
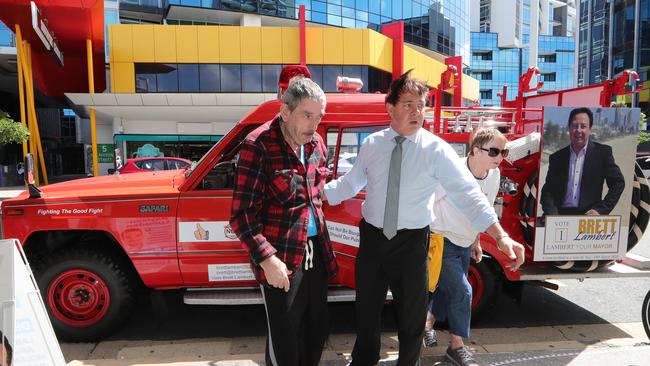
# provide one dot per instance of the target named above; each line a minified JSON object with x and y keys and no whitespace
{"x":576,"y":163}
{"x":450,"y":221}
{"x":427,"y":161}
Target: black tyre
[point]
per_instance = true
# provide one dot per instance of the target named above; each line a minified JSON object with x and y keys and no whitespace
{"x":88,"y":294}
{"x":639,"y":215}
{"x":645,"y":314}
{"x":483,"y":280}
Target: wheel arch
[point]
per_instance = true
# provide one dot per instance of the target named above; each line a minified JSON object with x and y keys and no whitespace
{"x":46,"y":242}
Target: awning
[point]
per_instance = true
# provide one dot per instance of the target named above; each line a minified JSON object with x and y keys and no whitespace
{"x":181,"y":107}
{"x":71,"y":22}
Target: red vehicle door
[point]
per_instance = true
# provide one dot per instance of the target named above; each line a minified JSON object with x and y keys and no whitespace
{"x":343,"y":219}
{"x":209,"y":253}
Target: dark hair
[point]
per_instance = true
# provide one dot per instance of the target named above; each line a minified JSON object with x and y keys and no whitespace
{"x":9,"y":351}
{"x":582,"y":110}
{"x":405,"y":84}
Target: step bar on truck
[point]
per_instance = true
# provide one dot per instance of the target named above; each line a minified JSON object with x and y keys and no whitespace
{"x":253,"y":296}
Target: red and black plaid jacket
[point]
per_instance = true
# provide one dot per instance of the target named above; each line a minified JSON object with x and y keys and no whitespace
{"x":270,"y":206}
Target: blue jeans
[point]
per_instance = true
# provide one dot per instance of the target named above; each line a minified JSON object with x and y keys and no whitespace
{"x":452,"y":300}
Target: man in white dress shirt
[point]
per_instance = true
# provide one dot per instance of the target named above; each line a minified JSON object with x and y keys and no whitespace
{"x":394,"y":242}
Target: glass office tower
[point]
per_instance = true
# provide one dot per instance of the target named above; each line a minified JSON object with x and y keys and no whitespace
{"x":615,"y":36}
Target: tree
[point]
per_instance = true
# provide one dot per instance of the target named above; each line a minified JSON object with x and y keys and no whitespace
{"x":11,"y":132}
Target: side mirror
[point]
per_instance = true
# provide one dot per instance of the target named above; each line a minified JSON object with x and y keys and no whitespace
{"x":34,"y":192}
{"x":29,"y":169}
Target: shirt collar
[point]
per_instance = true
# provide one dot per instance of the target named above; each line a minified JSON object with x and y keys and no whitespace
{"x":582,"y":152}
{"x":412,"y":138}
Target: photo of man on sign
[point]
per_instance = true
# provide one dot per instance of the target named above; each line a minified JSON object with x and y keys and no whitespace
{"x":575,"y":185}
{"x":586,"y":175}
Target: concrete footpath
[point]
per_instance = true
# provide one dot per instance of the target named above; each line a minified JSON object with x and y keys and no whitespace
{"x":10,"y":192}
{"x":592,"y":344}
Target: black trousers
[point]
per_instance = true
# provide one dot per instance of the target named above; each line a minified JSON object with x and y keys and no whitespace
{"x":298,"y":320}
{"x":400,"y":263}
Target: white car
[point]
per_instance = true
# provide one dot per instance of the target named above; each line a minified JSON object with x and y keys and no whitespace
{"x":346,"y":161}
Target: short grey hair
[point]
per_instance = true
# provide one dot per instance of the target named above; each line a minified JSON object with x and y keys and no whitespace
{"x":301,"y":88}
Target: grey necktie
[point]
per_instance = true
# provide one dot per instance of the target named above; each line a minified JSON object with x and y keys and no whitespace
{"x":392,"y":192}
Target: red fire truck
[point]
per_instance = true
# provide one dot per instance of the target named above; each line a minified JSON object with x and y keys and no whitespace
{"x":92,"y":243}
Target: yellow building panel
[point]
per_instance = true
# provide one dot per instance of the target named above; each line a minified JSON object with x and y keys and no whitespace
{"x":352,"y":47}
{"x":121,"y":42}
{"x":251,"y":45}
{"x":143,"y":43}
{"x":230,"y":45}
{"x":314,"y":40}
{"x":187,"y":44}
{"x":380,"y":51}
{"x":409,"y":59}
{"x":165,"y":43}
{"x":383,"y":55}
{"x":290,"y":45}
{"x":365,"y":55}
{"x":271,"y":45}
{"x":208,"y":43}
{"x":332,"y":46}
{"x":122,"y":77}
{"x":471,"y":88}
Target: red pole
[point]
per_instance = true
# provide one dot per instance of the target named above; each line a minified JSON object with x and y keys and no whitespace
{"x":303,"y":36}
{"x":395,"y":31}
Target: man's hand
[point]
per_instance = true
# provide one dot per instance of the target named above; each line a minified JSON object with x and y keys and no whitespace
{"x":477,"y":251}
{"x":276,"y":272}
{"x":592,"y":212}
{"x":513,"y":250}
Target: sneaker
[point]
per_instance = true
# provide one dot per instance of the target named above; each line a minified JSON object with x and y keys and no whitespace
{"x":461,"y":356}
{"x":429,"y":339}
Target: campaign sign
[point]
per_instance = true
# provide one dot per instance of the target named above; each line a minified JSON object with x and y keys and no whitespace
{"x":586,"y":177}
{"x":29,"y":339}
{"x":581,"y":238}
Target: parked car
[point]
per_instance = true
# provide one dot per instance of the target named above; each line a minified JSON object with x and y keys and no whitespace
{"x":345,"y":163}
{"x":138,"y":165}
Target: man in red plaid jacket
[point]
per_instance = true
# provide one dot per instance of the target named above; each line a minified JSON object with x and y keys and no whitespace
{"x":277,"y":214}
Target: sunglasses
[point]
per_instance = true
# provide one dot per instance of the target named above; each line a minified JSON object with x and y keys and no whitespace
{"x":493,"y":151}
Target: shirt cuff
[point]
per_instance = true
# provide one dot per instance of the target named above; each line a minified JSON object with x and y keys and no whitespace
{"x":333,"y":193}
{"x":485,"y":220}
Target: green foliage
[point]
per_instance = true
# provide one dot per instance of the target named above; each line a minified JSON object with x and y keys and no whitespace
{"x":11,"y":132}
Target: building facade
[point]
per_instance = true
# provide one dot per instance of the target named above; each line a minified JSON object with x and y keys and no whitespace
{"x":615,"y":36}
{"x":505,"y":44}
{"x":181,"y":73}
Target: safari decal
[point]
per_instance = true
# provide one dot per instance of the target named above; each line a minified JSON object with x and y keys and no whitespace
{"x":198,"y":231}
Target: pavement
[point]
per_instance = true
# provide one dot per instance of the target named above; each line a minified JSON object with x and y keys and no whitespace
{"x":10,"y":192}
{"x":590,"y":344}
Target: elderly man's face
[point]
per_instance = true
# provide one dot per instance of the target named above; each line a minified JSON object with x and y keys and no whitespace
{"x":302,"y":122}
{"x":579,"y":131}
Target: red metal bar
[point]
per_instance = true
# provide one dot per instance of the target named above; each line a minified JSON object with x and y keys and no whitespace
{"x":457,"y":61}
{"x":395,"y":31}
{"x":303,"y":36}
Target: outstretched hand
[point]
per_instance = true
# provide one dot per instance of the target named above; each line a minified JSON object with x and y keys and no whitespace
{"x":513,"y":250}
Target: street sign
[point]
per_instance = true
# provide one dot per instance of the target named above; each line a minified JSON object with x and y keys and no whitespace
{"x":105,"y":153}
